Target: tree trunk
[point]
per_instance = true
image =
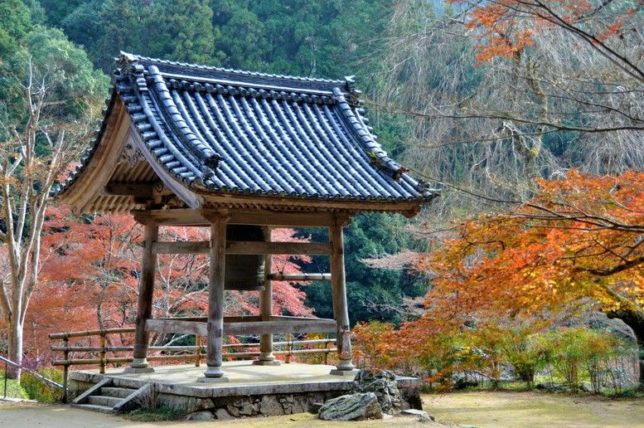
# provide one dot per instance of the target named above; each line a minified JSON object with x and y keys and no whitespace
{"x":15,"y":346}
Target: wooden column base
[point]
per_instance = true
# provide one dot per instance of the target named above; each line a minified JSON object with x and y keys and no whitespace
{"x":213,"y":372}
{"x":204,"y":379}
{"x":139,"y":365}
{"x":344,"y":372}
{"x":267,"y":360}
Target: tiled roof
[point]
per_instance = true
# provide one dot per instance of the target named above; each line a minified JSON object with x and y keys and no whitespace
{"x":235,"y":132}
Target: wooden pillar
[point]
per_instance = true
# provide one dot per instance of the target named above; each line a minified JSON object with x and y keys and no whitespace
{"x":144,"y":307}
{"x":339,"y":291}
{"x":266,"y":357}
{"x":217,"y":274}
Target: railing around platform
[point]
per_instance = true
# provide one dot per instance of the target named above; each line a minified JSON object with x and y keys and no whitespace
{"x":104,"y":353}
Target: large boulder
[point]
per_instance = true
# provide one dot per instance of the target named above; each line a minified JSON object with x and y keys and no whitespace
{"x":383,"y":384}
{"x":351,"y":407}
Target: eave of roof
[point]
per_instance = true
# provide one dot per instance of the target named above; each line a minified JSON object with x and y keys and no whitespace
{"x":220,"y":131}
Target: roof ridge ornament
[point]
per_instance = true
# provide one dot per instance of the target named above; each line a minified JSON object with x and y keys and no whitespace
{"x":350,"y":81}
{"x":126,"y":58}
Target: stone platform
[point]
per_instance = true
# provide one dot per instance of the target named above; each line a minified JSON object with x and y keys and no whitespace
{"x":250,"y":390}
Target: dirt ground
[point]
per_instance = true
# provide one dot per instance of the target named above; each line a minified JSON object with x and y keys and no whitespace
{"x":531,"y":409}
{"x":472,"y":409}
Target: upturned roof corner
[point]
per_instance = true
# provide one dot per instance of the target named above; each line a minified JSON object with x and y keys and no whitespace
{"x":208,"y":133}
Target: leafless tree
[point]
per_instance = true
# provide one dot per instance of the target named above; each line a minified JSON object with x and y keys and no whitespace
{"x":490,"y":128}
{"x":33,"y":155}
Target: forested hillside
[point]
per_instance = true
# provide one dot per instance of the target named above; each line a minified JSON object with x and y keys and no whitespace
{"x":487,"y":102}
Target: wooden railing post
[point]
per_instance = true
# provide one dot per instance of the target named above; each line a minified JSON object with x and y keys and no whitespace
{"x":289,"y":347}
{"x":6,"y":378}
{"x":102,"y":352}
{"x":198,"y":350}
{"x":326,"y":353}
{"x":65,"y":367}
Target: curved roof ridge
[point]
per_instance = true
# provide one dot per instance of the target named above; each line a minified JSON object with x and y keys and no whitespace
{"x":376,"y":153}
{"x":125,"y":58}
{"x":194,"y":143}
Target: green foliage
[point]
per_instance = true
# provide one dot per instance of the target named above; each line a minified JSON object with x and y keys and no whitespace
{"x":45,"y":56}
{"x":15,"y":21}
{"x":61,"y":74}
{"x":157,"y":414}
{"x":40,"y":391}
{"x":577,"y":352}
{"x":177,"y":30}
{"x":487,"y":353}
{"x":311,"y":38}
{"x":373,"y":294}
{"x":57,"y":10}
{"x":14,"y":389}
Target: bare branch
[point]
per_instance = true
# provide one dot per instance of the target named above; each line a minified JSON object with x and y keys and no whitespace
{"x":614,"y":269}
{"x":502,"y":116}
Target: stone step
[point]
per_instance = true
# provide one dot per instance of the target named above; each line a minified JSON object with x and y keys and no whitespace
{"x":113,"y":391}
{"x":103,"y":400}
{"x":94,"y":408}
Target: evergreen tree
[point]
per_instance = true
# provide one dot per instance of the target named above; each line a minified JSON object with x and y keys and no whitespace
{"x":177,"y":30}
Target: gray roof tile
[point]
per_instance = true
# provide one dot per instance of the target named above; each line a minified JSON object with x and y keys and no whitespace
{"x":229,"y":131}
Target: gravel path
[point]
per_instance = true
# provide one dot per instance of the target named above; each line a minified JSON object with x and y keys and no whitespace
{"x":478,"y":409}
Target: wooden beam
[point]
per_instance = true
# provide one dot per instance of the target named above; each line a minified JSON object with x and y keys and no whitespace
{"x":130,"y":189}
{"x":310,"y":325}
{"x":199,"y":218}
{"x":249,"y":326}
{"x":244,"y":247}
{"x":277,"y":276}
{"x":171,"y":217}
{"x":146,"y":291}
{"x":409,"y":208}
{"x":295,"y":248}
{"x":182,"y":247}
{"x":283,"y":219}
{"x":175,"y":326}
{"x":103,"y":162}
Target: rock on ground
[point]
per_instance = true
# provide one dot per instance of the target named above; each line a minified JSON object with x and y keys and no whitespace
{"x":201,"y":416}
{"x":351,"y":407}
{"x":383,"y":384}
{"x":421,"y":414}
{"x":222,"y":414}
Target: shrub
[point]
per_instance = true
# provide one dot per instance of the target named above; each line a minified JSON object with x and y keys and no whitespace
{"x":14,"y":390}
{"x":373,"y":343}
{"x":523,"y":353}
{"x":573,"y":350}
{"x":482,"y":352}
{"x":39,"y":390}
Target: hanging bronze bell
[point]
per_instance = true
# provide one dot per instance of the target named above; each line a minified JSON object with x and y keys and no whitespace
{"x":244,"y":272}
